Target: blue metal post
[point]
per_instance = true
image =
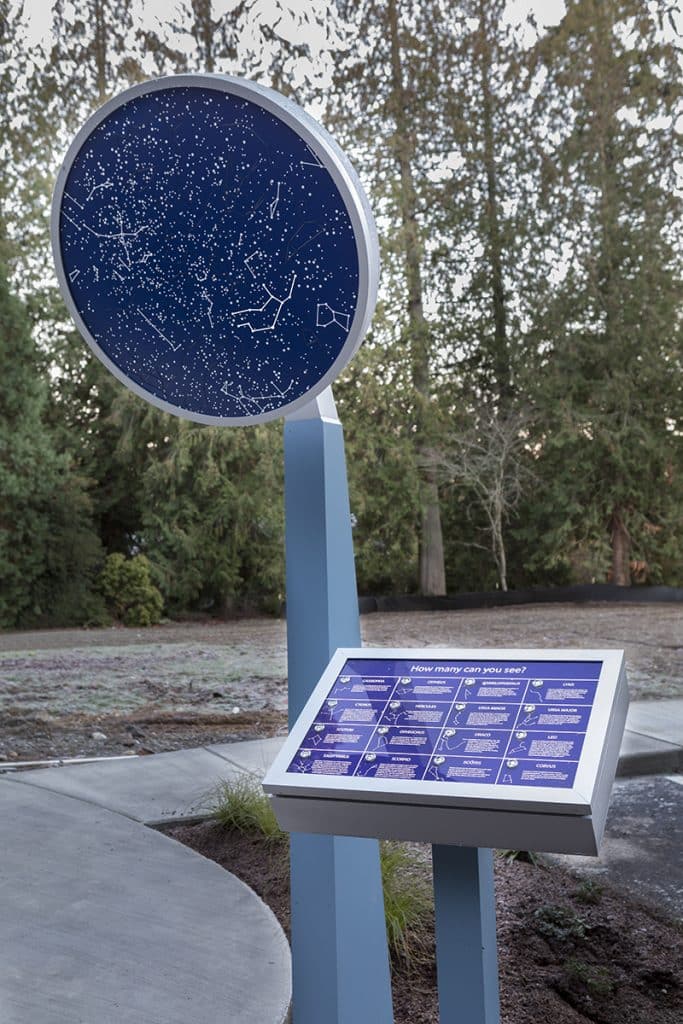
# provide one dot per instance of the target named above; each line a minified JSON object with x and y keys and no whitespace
{"x":340,"y":960}
{"x":465,"y":919}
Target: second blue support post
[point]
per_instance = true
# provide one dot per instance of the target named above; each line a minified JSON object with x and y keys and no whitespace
{"x":465,"y":921}
{"x":340,"y":961}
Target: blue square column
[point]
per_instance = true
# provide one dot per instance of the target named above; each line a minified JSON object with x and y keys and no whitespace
{"x":340,"y":960}
{"x":465,"y":921}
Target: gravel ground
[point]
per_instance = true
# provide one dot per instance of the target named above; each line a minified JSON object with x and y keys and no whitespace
{"x":73,"y":693}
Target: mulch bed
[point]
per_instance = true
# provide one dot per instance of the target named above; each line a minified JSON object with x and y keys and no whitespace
{"x":570,"y":952}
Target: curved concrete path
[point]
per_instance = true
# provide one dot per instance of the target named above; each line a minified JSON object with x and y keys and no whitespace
{"x":103,"y":921}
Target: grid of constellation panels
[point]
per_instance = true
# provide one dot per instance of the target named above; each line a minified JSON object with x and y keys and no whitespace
{"x":485,"y":722}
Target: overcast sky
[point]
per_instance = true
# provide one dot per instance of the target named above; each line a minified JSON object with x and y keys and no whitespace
{"x":36,"y":13}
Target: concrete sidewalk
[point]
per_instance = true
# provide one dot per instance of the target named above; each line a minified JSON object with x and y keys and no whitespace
{"x":107,"y":922}
{"x":161,"y":789}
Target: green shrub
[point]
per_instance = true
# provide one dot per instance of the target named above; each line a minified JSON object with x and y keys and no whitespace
{"x":598,"y":980}
{"x":559,"y":924}
{"x":127,"y":587}
{"x":589,"y":891}
{"x":523,"y":856}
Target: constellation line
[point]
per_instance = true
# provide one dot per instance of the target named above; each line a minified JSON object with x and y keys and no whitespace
{"x":160,"y":333}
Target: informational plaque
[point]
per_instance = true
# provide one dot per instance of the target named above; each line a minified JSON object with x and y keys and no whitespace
{"x":214,"y":247}
{"x":461,"y":741}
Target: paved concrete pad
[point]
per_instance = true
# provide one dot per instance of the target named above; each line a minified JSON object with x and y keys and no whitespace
{"x":254,"y":756}
{"x":641,"y":850}
{"x":643,"y":755}
{"x":653,"y":740}
{"x":159,"y":788}
{"x":659,"y":719}
{"x":106,"y":922}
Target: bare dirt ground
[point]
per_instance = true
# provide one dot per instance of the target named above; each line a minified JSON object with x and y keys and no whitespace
{"x":73,"y":693}
{"x":570,"y":951}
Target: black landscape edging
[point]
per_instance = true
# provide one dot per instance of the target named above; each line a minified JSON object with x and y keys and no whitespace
{"x":578,"y":594}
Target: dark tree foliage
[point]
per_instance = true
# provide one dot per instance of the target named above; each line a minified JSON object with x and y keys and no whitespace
{"x":515,"y":415}
{"x":49,"y":553}
{"x":610,"y":453}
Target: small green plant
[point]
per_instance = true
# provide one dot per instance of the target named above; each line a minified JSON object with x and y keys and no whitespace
{"x":597,"y":980}
{"x":589,"y":891}
{"x":560,"y":924}
{"x":408,"y":906}
{"x":126,"y":585}
{"x":241,"y":804}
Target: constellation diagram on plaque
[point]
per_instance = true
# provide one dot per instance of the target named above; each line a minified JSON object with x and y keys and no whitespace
{"x":209,"y":252}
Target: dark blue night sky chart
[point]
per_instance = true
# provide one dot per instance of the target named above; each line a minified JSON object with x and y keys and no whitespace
{"x":209,"y":252}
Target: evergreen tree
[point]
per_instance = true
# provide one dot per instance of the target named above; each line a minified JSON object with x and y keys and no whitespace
{"x":488,"y":277}
{"x":384,"y":110}
{"x":212,"y":513}
{"x":49,"y":553}
{"x":384,"y":483}
{"x":611,"y":451}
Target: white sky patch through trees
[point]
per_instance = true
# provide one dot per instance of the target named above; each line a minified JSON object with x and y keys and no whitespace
{"x":287,"y":18}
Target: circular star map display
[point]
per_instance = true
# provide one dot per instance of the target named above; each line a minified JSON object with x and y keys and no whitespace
{"x":215,"y":248}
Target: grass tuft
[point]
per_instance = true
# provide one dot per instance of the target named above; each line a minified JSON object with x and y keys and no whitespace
{"x":241,"y":804}
{"x":408,"y":905}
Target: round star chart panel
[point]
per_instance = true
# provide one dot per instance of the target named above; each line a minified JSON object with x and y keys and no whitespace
{"x":215,"y":248}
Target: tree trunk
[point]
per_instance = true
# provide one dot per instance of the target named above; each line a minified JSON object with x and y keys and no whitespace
{"x":621,"y":550}
{"x":100,"y":50}
{"x":432,"y":574}
{"x":203,"y":32}
{"x":494,"y":246}
{"x":499,"y":552}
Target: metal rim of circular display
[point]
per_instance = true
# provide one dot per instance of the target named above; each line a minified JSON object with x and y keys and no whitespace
{"x":343,"y":176}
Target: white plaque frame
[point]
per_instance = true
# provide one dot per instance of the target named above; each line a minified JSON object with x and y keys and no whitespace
{"x":567,"y":819}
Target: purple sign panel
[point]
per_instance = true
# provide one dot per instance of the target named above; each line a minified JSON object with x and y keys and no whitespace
{"x":405,"y":739}
{"x":494,"y":716}
{"x":475,"y":722}
{"x":572,"y":717}
{"x":312,"y":762}
{"x":333,"y":736}
{"x":574,"y":691}
{"x":360,"y":687}
{"x":358,"y":712}
{"x":508,"y":691}
{"x":417,"y":712}
{"x":463,"y":769}
{"x":433,"y":688}
{"x":517,"y":772}
{"x":565,"y":745}
{"x":393,"y":766}
{"x":489,"y":742}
